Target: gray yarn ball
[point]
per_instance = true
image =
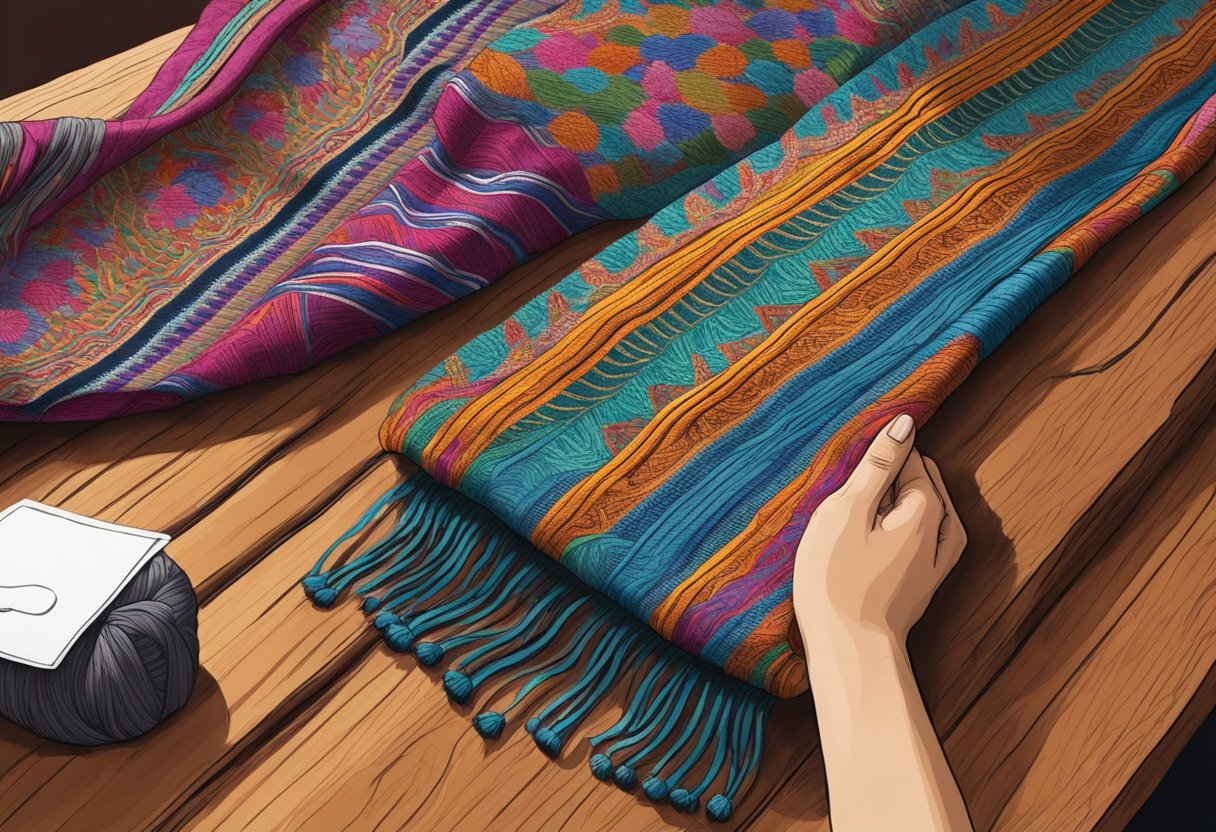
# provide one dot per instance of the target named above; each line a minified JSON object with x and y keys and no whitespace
{"x":133,"y":668}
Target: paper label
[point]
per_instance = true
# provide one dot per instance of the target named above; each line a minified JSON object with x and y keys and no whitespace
{"x":58,"y":572}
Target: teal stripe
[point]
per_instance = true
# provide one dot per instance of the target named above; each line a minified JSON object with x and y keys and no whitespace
{"x":823,"y":229}
{"x":217,"y":47}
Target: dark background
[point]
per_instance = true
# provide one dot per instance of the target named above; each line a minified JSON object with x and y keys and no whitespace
{"x":43,"y":39}
{"x":1186,"y":799}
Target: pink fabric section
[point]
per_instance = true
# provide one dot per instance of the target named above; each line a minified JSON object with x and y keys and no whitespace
{"x":273,"y":337}
{"x":137,"y":129}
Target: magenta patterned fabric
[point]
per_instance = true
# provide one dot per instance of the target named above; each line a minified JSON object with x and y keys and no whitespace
{"x":379,"y":159}
{"x":44,"y":164}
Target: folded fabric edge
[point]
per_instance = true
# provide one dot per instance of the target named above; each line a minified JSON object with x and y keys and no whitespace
{"x":45,"y":164}
{"x":194,"y":55}
{"x":449,"y":570}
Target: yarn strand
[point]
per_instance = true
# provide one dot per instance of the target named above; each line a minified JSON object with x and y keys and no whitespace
{"x":447,"y":565}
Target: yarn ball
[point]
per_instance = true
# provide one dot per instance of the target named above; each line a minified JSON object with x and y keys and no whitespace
{"x":128,"y":672}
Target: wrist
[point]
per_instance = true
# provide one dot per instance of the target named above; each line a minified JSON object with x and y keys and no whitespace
{"x":829,"y":632}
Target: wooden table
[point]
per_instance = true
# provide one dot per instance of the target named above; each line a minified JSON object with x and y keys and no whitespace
{"x":1065,"y":662}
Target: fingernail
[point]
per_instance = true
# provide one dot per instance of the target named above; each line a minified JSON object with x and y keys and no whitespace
{"x":901,"y":428}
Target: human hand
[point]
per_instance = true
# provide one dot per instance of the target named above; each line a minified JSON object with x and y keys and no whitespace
{"x":872,"y":556}
{"x":876,"y":550}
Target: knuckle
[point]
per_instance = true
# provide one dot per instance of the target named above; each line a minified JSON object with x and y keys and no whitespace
{"x":882,"y":457}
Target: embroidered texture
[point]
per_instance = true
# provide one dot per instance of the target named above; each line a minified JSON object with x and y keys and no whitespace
{"x":383,"y":158}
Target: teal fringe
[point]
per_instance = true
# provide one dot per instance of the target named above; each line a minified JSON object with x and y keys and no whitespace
{"x":449,"y":580}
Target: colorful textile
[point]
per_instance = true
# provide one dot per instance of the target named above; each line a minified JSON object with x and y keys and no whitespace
{"x":338,"y":195}
{"x":663,"y":422}
{"x":43,"y":164}
{"x":155,"y":261}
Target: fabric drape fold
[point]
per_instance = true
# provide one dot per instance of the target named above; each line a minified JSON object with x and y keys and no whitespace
{"x":380,"y":159}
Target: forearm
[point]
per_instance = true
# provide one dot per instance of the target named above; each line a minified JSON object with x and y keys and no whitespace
{"x":885,"y":767}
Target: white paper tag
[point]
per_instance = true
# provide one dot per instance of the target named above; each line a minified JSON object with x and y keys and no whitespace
{"x":58,"y":572}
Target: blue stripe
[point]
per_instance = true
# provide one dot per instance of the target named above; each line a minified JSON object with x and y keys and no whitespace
{"x":712,"y":499}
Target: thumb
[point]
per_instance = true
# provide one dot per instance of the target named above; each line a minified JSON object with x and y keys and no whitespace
{"x":881,"y":464}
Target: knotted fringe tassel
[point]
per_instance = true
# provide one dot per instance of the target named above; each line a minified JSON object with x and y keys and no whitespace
{"x":449,"y":581}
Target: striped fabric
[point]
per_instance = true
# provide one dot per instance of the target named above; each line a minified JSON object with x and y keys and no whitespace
{"x":663,"y":422}
{"x":382,"y":158}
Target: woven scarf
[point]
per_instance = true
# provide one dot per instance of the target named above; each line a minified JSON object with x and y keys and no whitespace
{"x":325,"y":172}
{"x":615,"y":480}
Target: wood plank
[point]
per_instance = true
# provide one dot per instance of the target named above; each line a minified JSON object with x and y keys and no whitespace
{"x":355,"y":760}
{"x":1158,"y":762}
{"x":173,"y":482}
{"x":101,"y":90}
{"x":1088,"y":738}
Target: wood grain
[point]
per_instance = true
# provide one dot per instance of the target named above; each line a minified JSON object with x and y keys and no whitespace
{"x":1064,"y":662}
{"x":101,"y":90}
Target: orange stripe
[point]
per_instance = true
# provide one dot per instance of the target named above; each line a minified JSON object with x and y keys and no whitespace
{"x":917,"y":395}
{"x":833,"y":317}
{"x":655,"y":290}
